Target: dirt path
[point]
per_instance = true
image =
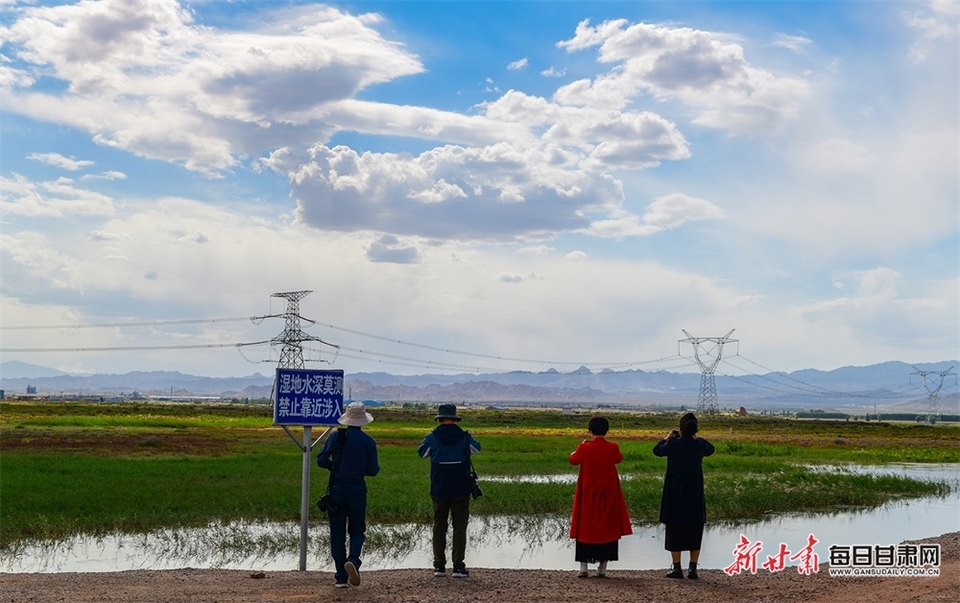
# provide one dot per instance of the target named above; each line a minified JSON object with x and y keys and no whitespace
{"x":483,"y":586}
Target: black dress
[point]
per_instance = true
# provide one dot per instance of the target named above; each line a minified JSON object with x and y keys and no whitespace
{"x":683,"y":505}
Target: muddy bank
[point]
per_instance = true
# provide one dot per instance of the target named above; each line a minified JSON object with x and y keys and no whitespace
{"x":483,"y":586}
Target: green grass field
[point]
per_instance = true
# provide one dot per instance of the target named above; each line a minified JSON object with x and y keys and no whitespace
{"x":71,"y":468}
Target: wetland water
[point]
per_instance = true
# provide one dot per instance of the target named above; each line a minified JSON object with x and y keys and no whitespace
{"x":505,"y":542}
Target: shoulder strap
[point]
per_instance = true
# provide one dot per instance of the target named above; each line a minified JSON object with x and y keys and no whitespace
{"x":338,"y":455}
{"x":466,"y":440}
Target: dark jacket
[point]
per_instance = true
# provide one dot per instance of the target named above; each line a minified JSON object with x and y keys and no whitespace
{"x":359,"y":455}
{"x":449,"y":447}
{"x":683,"y":500}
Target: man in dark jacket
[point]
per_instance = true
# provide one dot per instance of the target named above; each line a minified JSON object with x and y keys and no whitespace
{"x":354,"y":453}
{"x":449,"y":448}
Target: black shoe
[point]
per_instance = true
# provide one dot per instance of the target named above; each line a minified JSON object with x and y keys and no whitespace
{"x":692,"y":572}
{"x":676,"y":573}
{"x":460,"y":572}
{"x":440,"y":572}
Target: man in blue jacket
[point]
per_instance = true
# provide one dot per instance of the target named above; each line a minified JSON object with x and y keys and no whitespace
{"x":354,"y":453}
{"x":449,"y":448}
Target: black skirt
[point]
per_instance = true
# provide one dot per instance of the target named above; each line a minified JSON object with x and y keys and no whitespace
{"x":595,"y":553}
{"x":683,"y":537}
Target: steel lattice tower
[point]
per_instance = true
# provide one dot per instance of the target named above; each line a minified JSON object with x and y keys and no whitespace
{"x":291,"y":350}
{"x":933,"y":395}
{"x":707,"y":399}
{"x":292,"y":338}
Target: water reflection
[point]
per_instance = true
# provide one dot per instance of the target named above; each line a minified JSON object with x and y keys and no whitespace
{"x":507,"y":542}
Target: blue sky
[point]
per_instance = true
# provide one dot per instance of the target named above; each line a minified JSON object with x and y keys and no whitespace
{"x":475,"y":186}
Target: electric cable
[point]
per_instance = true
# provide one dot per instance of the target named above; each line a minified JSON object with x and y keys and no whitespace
{"x":150,"y":323}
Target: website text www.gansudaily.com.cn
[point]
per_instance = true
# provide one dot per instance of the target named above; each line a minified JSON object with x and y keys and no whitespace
{"x":884,"y":572}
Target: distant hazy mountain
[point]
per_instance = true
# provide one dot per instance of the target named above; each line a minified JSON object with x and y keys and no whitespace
{"x":16,"y":376}
{"x":15,"y":369}
{"x":887,"y":384}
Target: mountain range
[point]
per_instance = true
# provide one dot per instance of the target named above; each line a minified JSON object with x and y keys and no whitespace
{"x":888,"y":387}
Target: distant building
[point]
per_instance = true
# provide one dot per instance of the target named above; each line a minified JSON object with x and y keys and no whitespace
{"x":31,"y":389}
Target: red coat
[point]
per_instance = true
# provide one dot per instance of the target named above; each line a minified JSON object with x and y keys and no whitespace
{"x":599,"y":508}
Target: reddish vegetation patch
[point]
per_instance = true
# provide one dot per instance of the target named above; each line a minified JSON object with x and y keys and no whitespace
{"x":115,"y":444}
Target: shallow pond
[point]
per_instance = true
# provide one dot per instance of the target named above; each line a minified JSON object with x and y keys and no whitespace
{"x":505,"y":542}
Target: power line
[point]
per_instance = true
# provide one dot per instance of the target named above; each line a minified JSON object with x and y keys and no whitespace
{"x":293,"y":336}
{"x":890,"y":395}
{"x":296,"y":317}
{"x":151,"y":323}
{"x":809,"y":388}
{"x":364,"y":353}
{"x":415,"y":363}
{"x":134,"y":347}
{"x":784,"y":375}
{"x":487,"y":356}
{"x":817,"y":388}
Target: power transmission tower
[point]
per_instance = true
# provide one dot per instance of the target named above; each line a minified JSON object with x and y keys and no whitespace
{"x":707,"y":400}
{"x":933,"y":395}
{"x":292,"y":338}
{"x":291,"y":357}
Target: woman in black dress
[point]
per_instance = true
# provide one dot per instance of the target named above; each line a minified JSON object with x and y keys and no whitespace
{"x":683,"y":506}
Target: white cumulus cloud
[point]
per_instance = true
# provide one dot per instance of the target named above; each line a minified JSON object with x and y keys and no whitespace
{"x":56,"y":159}
{"x":698,"y":68}
{"x":141,"y":76}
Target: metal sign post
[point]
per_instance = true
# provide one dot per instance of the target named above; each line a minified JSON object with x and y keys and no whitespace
{"x":307,"y":398}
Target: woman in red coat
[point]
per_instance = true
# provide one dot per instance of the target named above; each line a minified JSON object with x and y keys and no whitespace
{"x":600,"y":515}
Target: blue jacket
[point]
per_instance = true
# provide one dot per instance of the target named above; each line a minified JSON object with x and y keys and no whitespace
{"x":449,"y":447}
{"x":359,"y":454}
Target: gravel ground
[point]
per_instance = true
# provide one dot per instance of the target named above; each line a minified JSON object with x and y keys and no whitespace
{"x":483,"y":586}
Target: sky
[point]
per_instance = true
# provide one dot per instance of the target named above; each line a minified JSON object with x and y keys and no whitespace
{"x":478,"y":186}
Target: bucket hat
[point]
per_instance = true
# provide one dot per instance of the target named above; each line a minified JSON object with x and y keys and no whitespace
{"x":447,"y":411}
{"x":356,"y":415}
